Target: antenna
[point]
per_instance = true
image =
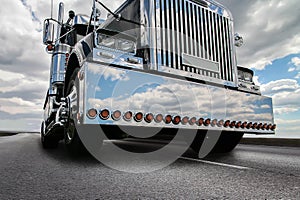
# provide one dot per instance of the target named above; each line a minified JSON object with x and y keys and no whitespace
{"x":51,"y":9}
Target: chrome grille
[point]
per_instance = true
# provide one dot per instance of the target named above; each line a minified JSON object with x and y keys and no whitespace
{"x":184,"y":27}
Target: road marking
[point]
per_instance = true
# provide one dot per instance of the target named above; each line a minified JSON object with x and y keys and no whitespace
{"x":215,"y":163}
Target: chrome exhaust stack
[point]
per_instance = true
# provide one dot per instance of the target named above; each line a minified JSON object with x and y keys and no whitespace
{"x":60,"y":21}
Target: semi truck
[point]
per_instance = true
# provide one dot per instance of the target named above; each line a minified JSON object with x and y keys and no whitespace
{"x":151,"y":66}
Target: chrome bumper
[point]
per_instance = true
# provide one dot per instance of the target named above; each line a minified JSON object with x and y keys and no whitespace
{"x":112,"y":88}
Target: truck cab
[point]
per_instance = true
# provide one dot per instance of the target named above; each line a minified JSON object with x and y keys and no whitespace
{"x":151,"y":65}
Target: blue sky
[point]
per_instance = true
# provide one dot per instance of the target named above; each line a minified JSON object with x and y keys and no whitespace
{"x":271,"y":31}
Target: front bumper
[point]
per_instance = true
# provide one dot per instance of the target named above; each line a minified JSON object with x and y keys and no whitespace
{"x":112,"y":88}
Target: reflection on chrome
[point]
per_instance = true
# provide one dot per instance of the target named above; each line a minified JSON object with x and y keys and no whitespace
{"x":174,"y":99}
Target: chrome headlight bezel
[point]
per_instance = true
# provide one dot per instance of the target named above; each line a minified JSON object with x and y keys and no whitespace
{"x":115,"y":42}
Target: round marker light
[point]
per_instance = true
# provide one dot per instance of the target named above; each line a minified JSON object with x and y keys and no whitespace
{"x":232,"y":124}
{"x":50,"y":47}
{"x":185,"y":120}
{"x":176,"y":120}
{"x":221,"y":123}
{"x":274,"y":127}
{"x":92,"y":113}
{"x":214,"y":122}
{"x":265,"y":126}
{"x":200,"y":122}
{"x":104,"y":114}
{"x":149,"y":117}
{"x":238,"y":125}
{"x":138,"y":117}
{"x":127,"y":116}
{"x":207,"y":122}
{"x":227,"y":123}
{"x":244,"y":125}
{"x":193,"y":121}
{"x":254,"y":126}
{"x":116,"y":115}
{"x":269,"y":127}
{"x":168,"y":119}
{"x":249,"y":125}
{"x":159,"y":118}
{"x":259,"y":126}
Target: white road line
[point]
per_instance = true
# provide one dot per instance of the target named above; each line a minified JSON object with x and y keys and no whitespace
{"x":215,"y":163}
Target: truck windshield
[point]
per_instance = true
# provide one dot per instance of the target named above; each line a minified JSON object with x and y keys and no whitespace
{"x":129,"y":10}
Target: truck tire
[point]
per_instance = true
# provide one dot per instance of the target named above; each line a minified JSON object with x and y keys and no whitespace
{"x":71,"y":138}
{"x":227,"y":142}
{"x":47,"y":142}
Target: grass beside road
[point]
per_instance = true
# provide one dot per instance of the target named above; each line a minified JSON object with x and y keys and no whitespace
{"x":272,"y":142}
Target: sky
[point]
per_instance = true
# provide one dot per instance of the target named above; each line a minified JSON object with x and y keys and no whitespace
{"x":270,"y":28}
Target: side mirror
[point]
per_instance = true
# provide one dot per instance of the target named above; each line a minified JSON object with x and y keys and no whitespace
{"x":48,"y":32}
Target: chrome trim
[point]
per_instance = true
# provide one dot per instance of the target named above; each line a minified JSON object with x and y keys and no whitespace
{"x":152,"y":36}
{"x":189,"y":28}
{"x":58,"y":65}
{"x":114,"y":57}
{"x":60,"y":21}
{"x":137,"y":91}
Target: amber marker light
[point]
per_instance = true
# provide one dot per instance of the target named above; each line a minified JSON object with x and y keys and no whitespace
{"x":50,"y":47}
{"x":92,"y":113}
{"x":104,"y":114}
{"x":249,"y":125}
{"x":200,"y":122}
{"x":265,"y":126}
{"x":227,"y":123}
{"x":259,"y":126}
{"x":185,"y":120}
{"x":149,"y":118}
{"x":232,"y":124}
{"x":127,"y":116}
{"x":176,"y":120}
{"x":168,"y":119}
{"x":138,"y":117}
{"x":269,"y":127}
{"x":254,"y":126}
{"x":244,"y":125}
{"x":116,"y":115}
{"x":159,"y":118}
{"x":207,"y":122}
{"x":238,"y":125}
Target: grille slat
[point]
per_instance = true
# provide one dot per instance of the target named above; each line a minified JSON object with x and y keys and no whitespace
{"x":191,"y":29}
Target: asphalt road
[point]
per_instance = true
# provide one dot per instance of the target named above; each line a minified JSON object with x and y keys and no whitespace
{"x":250,"y":172}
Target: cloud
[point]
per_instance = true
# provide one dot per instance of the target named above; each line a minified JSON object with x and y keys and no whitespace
{"x":285,"y":94}
{"x":270,"y":28}
{"x":296,"y":61}
{"x":25,"y":65}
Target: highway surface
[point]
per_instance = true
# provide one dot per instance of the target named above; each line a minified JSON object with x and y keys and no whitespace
{"x":249,"y":172}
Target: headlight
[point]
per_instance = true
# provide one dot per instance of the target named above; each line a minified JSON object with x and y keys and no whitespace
{"x":126,"y":45}
{"x":116,"y":43}
{"x":107,"y":41}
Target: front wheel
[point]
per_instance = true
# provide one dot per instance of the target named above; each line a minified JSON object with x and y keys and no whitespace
{"x":47,"y":141}
{"x":72,"y":140}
